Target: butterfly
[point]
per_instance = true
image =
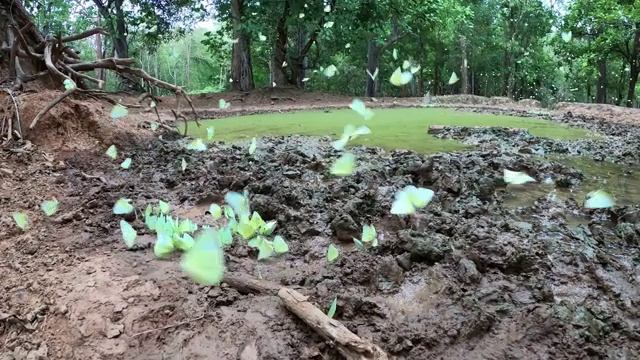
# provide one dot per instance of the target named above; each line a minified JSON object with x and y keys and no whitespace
{"x":204,"y":261}
{"x":359,"y":107}
{"x":344,"y":166}
{"x":516,"y":178}
{"x":409,"y":199}
{"x":598,"y":200}
{"x":399,"y":78}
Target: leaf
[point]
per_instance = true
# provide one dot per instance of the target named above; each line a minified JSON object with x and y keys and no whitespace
{"x":119,"y":111}
{"x":69,"y":84}
{"x":112,"y":152}
{"x":598,"y":199}
{"x":49,"y":207}
{"x":516,"y":178}
{"x":359,"y":107}
{"x":197,"y":145}
{"x":223,"y":104}
{"x":164,"y":207}
{"x":330,"y":71}
{"x":332,"y":253}
{"x":344,"y":166}
{"x":129,"y":234}
{"x":122,"y":206}
{"x":21,"y":220}
{"x":332,"y":309}
{"x":126,"y":163}
{"x":368,"y":233}
{"x":210,"y":132}
{"x":453,"y":79}
{"x":279,"y":245}
{"x":204,"y":262}
{"x":399,"y":78}
{"x":216,"y":211}
{"x":409,"y":199}
{"x":183,"y":165}
{"x":163,"y":246}
{"x":253,"y":146}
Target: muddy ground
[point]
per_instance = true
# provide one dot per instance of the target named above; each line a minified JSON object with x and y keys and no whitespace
{"x":467,"y":278}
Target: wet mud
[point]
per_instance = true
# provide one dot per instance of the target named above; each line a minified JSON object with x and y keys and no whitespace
{"x":472,"y":276}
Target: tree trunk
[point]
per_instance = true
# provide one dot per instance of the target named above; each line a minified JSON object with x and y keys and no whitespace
{"x":278,"y":75}
{"x":464,"y":75}
{"x":241,"y":68}
{"x":372,"y":65}
{"x":601,"y":87}
{"x":635,"y":67}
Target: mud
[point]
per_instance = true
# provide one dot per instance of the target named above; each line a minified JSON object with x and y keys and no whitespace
{"x":470,"y":277}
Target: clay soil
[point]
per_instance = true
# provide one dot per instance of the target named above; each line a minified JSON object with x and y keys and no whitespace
{"x":466,"y":278}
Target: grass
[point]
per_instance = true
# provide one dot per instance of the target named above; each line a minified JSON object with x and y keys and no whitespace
{"x":404,"y":128}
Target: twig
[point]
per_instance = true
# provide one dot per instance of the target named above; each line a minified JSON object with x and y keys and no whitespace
{"x":87,"y":176}
{"x":350,"y":345}
{"x":15,"y":104}
{"x":168,"y":326}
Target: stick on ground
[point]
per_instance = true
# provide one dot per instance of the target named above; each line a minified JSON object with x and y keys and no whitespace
{"x":350,"y":345}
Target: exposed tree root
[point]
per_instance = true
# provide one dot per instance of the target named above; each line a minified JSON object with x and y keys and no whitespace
{"x":66,"y":69}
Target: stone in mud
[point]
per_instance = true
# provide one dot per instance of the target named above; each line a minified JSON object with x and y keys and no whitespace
{"x":389,"y":275}
{"x":468,"y":272}
{"x":429,"y":249}
{"x":266,"y":206}
{"x":486,"y":188}
{"x":345,"y":228}
{"x":404,"y":261}
{"x":627,"y":231}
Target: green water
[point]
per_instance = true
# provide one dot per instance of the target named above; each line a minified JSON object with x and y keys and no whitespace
{"x":403,"y":128}
{"x":623,"y":182}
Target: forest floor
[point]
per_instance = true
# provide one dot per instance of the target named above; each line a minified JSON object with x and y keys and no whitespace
{"x":470,"y":277}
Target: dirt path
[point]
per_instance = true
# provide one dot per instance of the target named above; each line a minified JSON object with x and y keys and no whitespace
{"x":468,"y":278}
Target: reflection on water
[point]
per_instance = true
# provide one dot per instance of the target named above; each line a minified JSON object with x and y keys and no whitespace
{"x":623,"y":182}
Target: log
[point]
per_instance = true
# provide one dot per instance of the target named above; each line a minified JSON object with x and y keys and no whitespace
{"x":350,"y":345}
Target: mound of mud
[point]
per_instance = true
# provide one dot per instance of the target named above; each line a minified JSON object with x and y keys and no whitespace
{"x":472,"y":100}
{"x":468,"y":277}
{"x":615,"y":149}
{"x":73,"y":124}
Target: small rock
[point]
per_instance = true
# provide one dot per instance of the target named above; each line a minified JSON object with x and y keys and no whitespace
{"x":345,"y":228}
{"x":113,"y":330}
{"x":467,"y":271}
{"x":389,"y":275}
{"x":404,"y":261}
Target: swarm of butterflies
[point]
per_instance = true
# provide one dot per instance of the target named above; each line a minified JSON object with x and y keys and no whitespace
{"x":203,"y":257}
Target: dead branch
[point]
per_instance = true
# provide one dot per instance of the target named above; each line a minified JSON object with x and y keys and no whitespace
{"x":350,"y":345}
{"x":83,"y":76}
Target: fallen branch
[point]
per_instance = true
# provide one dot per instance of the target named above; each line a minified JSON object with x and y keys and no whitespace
{"x":350,"y":345}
